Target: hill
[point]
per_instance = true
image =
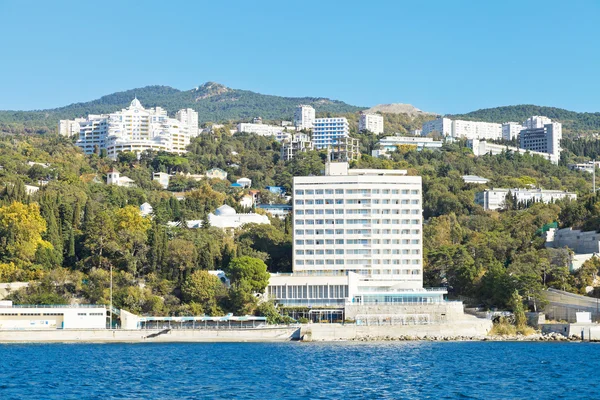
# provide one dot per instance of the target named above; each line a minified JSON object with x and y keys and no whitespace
{"x":398,"y":108}
{"x":213,"y":102}
{"x":573,"y":122}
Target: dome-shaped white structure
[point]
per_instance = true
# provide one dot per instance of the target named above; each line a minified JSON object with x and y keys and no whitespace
{"x":225,"y":210}
{"x":135,"y":103}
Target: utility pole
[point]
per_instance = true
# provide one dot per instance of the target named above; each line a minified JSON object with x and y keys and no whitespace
{"x":594,"y":177}
{"x":111,"y":295}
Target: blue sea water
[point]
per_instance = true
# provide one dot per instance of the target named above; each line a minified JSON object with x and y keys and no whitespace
{"x":397,"y":370}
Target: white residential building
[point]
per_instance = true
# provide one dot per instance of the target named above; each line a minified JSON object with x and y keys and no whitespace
{"x":146,"y":209}
{"x":544,"y":139}
{"x":216,"y":173}
{"x":511,"y":130}
{"x":69,"y":128}
{"x":478,"y":180}
{"x":494,"y":199}
{"x":327,"y":131}
{"x":189,"y":118}
{"x":370,"y":122}
{"x":483,"y":147}
{"x":357,"y":240}
{"x":134,"y":129}
{"x":259,"y":129}
{"x":463,"y":129}
{"x":476,"y":130}
{"x":46,"y":317}
{"x":391,"y":143}
{"x":304,"y":117}
{"x":443,"y":126}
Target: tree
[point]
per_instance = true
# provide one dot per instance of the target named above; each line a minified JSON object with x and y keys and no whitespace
{"x":250,"y":271}
{"x":21,"y":229}
{"x":181,"y":257}
{"x":205,"y":290}
{"x":516,"y":304}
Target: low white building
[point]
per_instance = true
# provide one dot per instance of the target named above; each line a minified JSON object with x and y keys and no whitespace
{"x":587,"y":167}
{"x":226,"y":218}
{"x":114,"y":178}
{"x":162,"y":178}
{"x":146,"y":209}
{"x":475,"y":179}
{"x":259,"y":129}
{"x":15,"y":317}
{"x":216,"y":173}
{"x":245,"y":182}
{"x":483,"y":147}
{"x":391,"y":143}
{"x":494,"y":199}
{"x":247,"y":201}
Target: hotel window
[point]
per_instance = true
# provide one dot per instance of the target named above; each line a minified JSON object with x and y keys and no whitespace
{"x":299,"y":202}
{"x":310,"y":241}
{"x":309,"y":202}
{"x":310,"y":191}
{"x":299,"y":252}
{"x":328,"y":241}
{"x":310,"y":232}
{"x":299,"y":192}
{"x":319,"y":191}
{"x":299,"y":232}
{"x":299,"y":222}
{"x":339,"y":241}
{"x":339,"y":191}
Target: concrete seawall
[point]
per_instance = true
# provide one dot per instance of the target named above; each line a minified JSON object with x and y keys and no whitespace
{"x":150,"y":335}
{"x":467,"y":327}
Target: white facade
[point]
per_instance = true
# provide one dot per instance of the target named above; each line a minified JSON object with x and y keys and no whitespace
{"x":536,"y":122}
{"x":259,"y":129}
{"x":511,"y":130}
{"x":69,"y":128}
{"x":113,"y":177}
{"x":135,"y":129}
{"x":544,"y":139}
{"x":370,"y":122}
{"x":216,"y":173}
{"x":189,"y":119}
{"x":483,"y":147}
{"x":162,"y":178}
{"x":390,"y":144}
{"x":475,"y":179}
{"x":494,"y":199}
{"x":476,"y":130}
{"x":245,"y":182}
{"x":443,"y":126}
{"x":146,"y":209}
{"x":52,"y":317}
{"x":363,"y":221}
{"x":327,"y":131}
{"x":304,"y":117}
{"x":225,"y":217}
{"x":587,"y":167}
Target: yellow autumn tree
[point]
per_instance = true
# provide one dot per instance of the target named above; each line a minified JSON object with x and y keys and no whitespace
{"x":21,"y":229}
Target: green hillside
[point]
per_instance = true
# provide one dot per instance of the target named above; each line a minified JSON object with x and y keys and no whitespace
{"x":573,"y":122}
{"x":214,"y":102}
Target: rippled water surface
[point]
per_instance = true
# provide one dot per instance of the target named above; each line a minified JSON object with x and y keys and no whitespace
{"x":463,"y":370}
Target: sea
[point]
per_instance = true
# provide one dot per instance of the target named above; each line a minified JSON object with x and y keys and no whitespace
{"x":296,"y":370}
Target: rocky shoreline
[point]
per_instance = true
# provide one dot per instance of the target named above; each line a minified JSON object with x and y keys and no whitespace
{"x":536,"y":337}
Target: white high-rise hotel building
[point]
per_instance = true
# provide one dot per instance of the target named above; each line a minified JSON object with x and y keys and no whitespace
{"x":357,"y":239}
{"x":327,"y":131}
{"x":134,"y":129}
{"x":304,"y":117}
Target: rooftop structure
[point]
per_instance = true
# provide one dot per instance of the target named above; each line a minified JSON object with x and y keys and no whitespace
{"x":259,"y":129}
{"x":216,"y":173}
{"x":544,"y":138}
{"x":146,"y":209}
{"x":277,"y":210}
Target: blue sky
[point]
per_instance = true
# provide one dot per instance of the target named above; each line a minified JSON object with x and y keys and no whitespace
{"x":441,"y":56}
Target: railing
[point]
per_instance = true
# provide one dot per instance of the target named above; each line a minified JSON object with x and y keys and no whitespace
{"x":58,"y":306}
